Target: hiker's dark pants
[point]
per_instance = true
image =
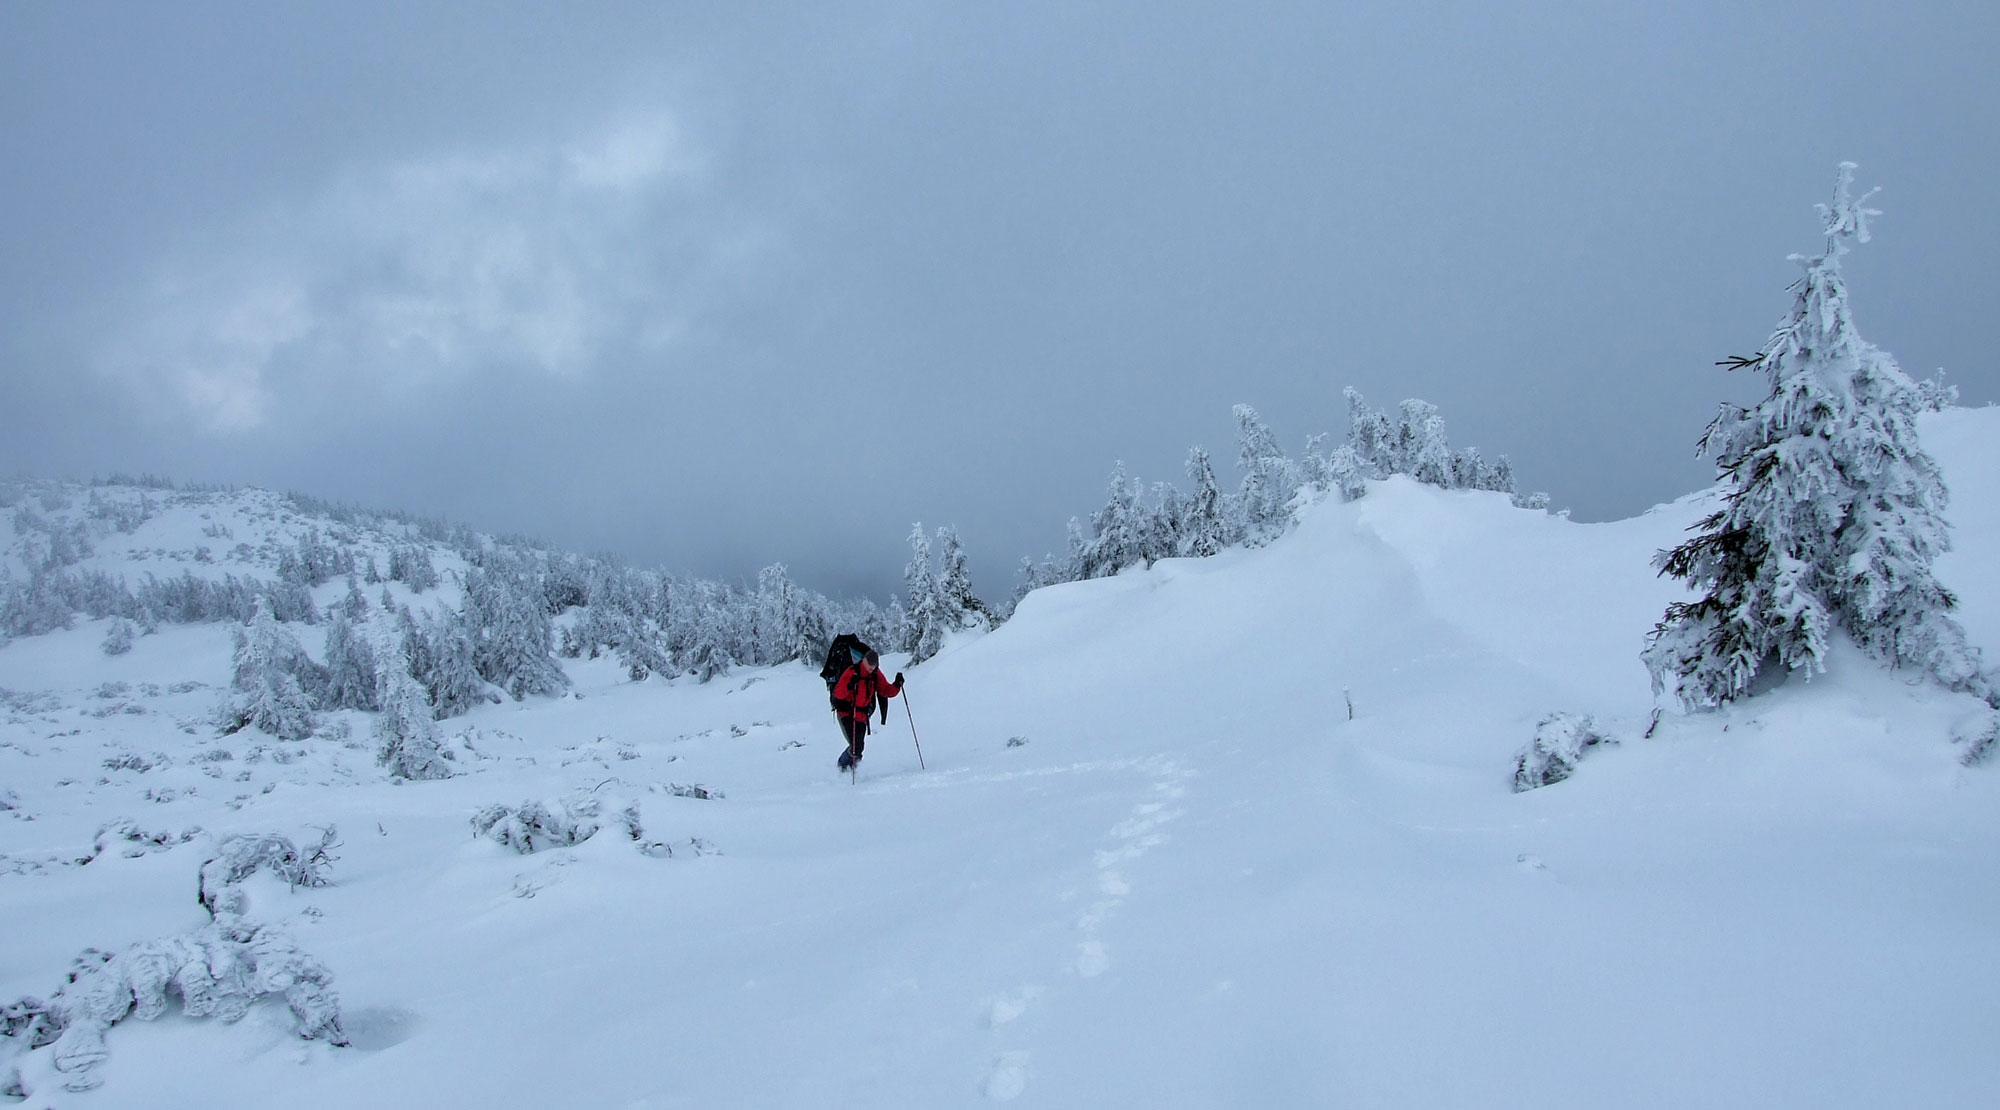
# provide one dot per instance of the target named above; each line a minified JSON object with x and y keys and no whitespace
{"x":855,"y":731}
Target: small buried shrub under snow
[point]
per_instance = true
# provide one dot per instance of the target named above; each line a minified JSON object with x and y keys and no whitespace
{"x":137,"y":841}
{"x":1560,"y":742}
{"x":658,"y":849}
{"x":696,"y":790}
{"x":238,"y":857}
{"x":219,"y":970}
{"x":532,"y":826}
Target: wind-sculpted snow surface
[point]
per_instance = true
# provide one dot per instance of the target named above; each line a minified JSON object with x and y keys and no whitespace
{"x":1205,"y":882}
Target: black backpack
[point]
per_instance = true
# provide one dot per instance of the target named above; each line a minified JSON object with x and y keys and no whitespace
{"x":846,"y":650}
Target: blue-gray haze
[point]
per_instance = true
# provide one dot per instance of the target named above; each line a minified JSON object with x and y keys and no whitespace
{"x":716,"y":285}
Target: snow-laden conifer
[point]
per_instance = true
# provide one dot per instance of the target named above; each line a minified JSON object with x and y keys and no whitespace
{"x":406,"y":734}
{"x":959,"y":606}
{"x":354,"y":605}
{"x":440,"y":655}
{"x":508,"y":621}
{"x":702,"y":629}
{"x":1116,"y":530}
{"x":1160,"y":524}
{"x":118,"y":639}
{"x":927,"y":614}
{"x":1832,"y":511}
{"x":351,"y":680}
{"x":1203,"y":532}
{"x":1269,"y":480}
{"x":274,"y":681}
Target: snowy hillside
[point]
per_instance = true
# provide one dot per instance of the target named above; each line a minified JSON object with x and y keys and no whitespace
{"x":1233,"y":831}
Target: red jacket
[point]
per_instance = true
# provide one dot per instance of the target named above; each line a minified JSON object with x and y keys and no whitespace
{"x":854,"y":693}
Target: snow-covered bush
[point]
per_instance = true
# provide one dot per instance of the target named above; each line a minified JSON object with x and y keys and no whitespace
{"x":533,"y":826}
{"x":1833,"y":513}
{"x":134,"y":840}
{"x":1561,"y":741}
{"x":238,"y":857}
{"x":219,"y":970}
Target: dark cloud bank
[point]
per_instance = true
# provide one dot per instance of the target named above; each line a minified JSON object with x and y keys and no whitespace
{"x":714,"y":286}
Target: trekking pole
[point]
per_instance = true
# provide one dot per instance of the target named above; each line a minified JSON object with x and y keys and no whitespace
{"x":913,"y":731}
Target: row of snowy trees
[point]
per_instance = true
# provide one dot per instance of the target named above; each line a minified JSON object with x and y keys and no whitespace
{"x":50,"y":600}
{"x":1138,"y":525}
{"x":417,"y":666}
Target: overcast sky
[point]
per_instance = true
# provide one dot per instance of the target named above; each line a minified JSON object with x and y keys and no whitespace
{"x":715,"y":285}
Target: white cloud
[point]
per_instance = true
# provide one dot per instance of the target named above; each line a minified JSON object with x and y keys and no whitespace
{"x":550,"y":258}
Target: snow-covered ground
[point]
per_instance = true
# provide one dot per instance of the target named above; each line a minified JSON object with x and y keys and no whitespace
{"x":1153,"y":860}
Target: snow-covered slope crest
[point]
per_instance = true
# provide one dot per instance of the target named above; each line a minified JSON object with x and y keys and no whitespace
{"x":163,"y":555}
{"x":1222,"y":832}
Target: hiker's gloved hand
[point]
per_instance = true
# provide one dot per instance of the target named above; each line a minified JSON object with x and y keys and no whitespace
{"x":899,"y":680}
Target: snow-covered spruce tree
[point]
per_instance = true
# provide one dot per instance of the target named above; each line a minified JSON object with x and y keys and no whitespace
{"x":1832,"y":515}
{"x":788,"y":622}
{"x":700,"y":630}
{"x":1934,"y":395}
{"x":274,"y":683}
{"x":895,"y":627}
{"x":1420,"y":449}
{"x":355,"y":605}
{"x":118,"y":640}
{"x":440,"y":656}
{"x":351,"y":681}
{"x":960,"y":607}
{"x":1114,"y":541}
{"x":927,"y":613}
{"x":411,"y":565}
{"x":1202,"y":529}
{"x":508,"y":621}
{"x":1344,"y":473}
{"x":1076,"y":553}
{"x":406,"y":734}
{"x":1269,"y":480}
{"x":1160,"y":524}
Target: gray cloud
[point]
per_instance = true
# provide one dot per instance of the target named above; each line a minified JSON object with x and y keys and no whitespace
{"x":720,"y":285}
{"x":552,"y":258}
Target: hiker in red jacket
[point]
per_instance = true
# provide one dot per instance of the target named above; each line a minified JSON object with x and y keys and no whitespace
{"x":854,"y":695}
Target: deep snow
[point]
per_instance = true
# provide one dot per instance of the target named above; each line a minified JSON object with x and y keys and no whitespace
{"x":1196,"y":883}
